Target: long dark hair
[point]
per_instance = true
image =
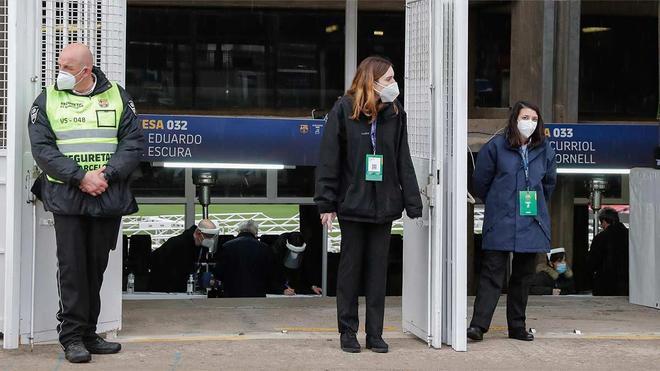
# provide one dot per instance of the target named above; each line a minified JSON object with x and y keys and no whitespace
{"x":513,"y":135}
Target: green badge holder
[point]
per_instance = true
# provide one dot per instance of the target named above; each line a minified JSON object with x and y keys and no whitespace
{"x":374,"y":170}
{"x":528,"y":203}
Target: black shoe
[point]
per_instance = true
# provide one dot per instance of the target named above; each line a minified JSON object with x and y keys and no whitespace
{"x":97,"y":345}
{"x":377,"y":344}
{"x":475,"y":333}
{"x":349,"y":342}
{"x":520,"y":333}
{"x":77,"y":353}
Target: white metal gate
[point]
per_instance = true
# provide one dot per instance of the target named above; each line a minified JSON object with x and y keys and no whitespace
{"x":434,"y":283}
{"x":37,"y":32}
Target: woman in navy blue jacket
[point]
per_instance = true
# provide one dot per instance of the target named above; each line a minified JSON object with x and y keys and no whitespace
{"x":515,"y":175}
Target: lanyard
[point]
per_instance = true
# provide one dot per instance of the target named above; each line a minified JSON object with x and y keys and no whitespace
{"x":525,"y":163}
{"x":373,"y":136}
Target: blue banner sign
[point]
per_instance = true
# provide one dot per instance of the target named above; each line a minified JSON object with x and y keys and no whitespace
{"x":214,"y":139}
{"x":296,"y":142}
{"x":600,"y":146}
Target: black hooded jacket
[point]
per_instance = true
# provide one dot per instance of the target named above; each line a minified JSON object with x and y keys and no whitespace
{"x":608,"y":261}
{"x":340,"y":176}
{"x":66,"y":198}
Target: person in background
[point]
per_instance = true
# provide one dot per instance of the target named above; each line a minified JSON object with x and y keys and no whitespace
{"x":608,"y":256}
{"x":553,"y":277}
{"x":245,"y":264}
{"x":291,"y":276}
{"x":176,"y":259}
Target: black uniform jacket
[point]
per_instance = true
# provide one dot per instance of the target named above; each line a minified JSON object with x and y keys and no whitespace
{"x":245,"y":267}
{"x":65,"y":198}
{"x":340,"y":176}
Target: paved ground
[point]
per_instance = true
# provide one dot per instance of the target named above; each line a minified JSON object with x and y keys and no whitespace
{"x":299,"y":334}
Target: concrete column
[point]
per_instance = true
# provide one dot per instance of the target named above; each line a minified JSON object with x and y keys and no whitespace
{"x":526,"y":51}
{"x":561,"y":216}
{"x":350,"y":44}
{"x":567,"y":62}
{"x":565,"y":109}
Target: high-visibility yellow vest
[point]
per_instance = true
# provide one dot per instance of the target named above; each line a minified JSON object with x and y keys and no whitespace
{"x":85,"y":127}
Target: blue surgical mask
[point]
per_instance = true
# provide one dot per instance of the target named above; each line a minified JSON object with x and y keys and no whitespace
{"x":561,"y":268}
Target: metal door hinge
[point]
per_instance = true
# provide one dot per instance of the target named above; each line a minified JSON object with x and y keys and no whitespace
{"x":429,"y":190}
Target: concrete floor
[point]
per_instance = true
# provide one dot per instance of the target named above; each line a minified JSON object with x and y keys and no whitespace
{"x":300,"y":333}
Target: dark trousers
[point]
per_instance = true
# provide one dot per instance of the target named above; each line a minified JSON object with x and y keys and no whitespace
{"x":83,"y":246}
{"x":363,"y":259}
{"x":493,"y":270}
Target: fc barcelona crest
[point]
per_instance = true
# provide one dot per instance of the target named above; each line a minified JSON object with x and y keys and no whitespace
{"x":103,"y":103}
{"x":304,"y":129}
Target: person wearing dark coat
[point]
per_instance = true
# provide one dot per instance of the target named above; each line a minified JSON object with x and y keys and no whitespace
{"x":553,"y":277}
{"x":608,"y":256}
{"x":365,"y":177}
{"x":515,"y":175}
{"x":245,"y":264}
{"x":86,"y":138}
{"x":176,"y":259}
{"x":290,"y":266}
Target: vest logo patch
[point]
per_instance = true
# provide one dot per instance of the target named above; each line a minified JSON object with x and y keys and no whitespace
{"x":65,"y":105}
{"x":103,"y":103}
{"x":131,"y":105}
{"x":33,"y":114}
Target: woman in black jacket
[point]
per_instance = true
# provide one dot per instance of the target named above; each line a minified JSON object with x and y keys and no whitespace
{"x":365,"y":177}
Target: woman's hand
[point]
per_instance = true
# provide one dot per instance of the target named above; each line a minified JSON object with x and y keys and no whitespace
{"x":327,"y":219}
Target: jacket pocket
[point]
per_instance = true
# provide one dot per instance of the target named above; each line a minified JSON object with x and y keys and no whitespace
{"x":491,"y":220}
{"x":544,"y":228}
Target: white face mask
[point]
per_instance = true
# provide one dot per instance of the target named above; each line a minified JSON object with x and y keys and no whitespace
{"x":526,"y":128}
{"x":208,"y":242}
{"x":67,"y":81}
{"x":389,"y":92}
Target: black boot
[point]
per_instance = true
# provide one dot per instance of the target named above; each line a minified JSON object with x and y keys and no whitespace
{"x":97,"y":345}
{"x":349,"y":342}
{"x":520,"y":333}
{"x":377,"y":344}
{"x":77,"y":353}
{"x":475,"y":333}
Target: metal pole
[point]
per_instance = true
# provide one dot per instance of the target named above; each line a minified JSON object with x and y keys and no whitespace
{"x":189,"y":193}
{"x":350,"y":42}
{"x":324,"y":262}
{"x":33,"y":201}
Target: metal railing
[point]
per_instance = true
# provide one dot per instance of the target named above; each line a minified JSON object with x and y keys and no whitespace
{"x":163,"y":227}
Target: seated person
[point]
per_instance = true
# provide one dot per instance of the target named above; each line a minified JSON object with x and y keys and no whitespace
{"x":290,"y":275}
{"x":179,"y":256}
{"x":245,"y":264}
{"x":553,"y":277}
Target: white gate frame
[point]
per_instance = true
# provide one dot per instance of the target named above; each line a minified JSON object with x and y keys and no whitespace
{"x":21,"y":86}
{"x":34,"y":40}
{"x":445,"y":305}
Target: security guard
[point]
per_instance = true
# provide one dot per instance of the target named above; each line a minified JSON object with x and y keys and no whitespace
{"x":85,"y":137}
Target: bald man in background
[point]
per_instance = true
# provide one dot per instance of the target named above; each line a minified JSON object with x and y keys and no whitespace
{"x":180,"y":256}
{"x":85,"y":137}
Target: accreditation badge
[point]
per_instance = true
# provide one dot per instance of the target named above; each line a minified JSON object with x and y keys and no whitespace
{"x":528,"y":203}
{"x":374,"y":171}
